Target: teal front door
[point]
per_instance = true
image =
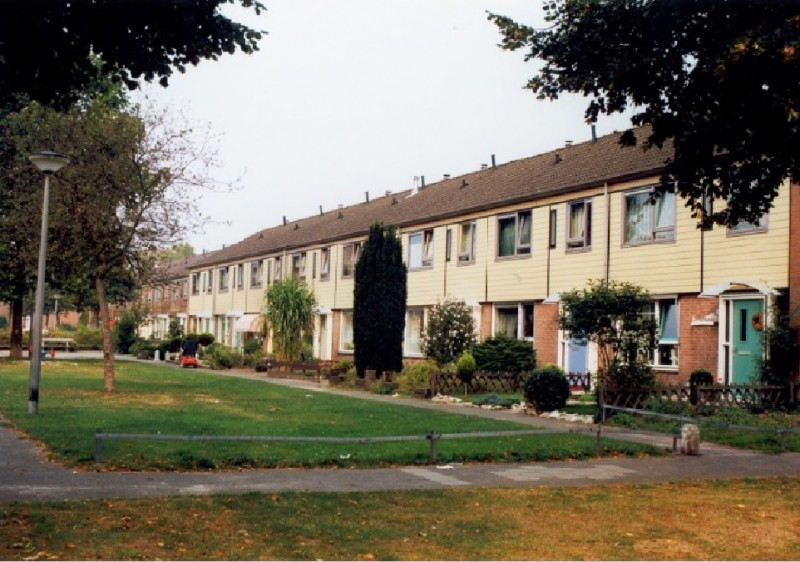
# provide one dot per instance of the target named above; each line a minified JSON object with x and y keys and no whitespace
{"x":747,"y":324}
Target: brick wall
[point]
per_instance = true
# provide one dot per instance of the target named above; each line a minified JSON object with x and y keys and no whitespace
{"x":698,"y":346}
{"x":794,"y":260}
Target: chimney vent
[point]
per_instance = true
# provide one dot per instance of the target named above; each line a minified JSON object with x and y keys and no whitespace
{"x":484,"y":166}
{"x":594,"y":132}
{"x":558,"y":159}
{"x":320,"y":210}
{"x":447,"y":176}
{"x":284,"y":220}
{"x":494,"y":165}
{"x":388,"y":192}
{"x":568,"y":143}
{"x":366,"y":194}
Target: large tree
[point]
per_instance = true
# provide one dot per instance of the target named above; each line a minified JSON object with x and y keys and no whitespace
{"x":379,"y":304}
{"x":719,"y":79}
{"x":127,"y":191}
{"x":46,"y":46}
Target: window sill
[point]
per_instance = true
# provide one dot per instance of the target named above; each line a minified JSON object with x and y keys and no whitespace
{"x":647,"y":243}
{"x":420,"y":268}
{"x":578,"y":249}
{"x":512,"y":258}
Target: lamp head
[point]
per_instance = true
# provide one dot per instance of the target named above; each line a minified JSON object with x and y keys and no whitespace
{"x":48,"y":162}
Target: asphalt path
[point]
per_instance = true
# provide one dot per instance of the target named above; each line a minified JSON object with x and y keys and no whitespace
{"x":26,"y":474}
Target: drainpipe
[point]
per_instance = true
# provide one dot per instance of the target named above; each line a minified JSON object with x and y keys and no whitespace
{"x":607,"y":256}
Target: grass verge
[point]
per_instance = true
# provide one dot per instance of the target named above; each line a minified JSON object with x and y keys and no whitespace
{"x":153,"y":399}
{"x":731,"y":520}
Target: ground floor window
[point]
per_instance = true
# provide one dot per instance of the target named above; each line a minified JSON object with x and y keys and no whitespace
{"x":514,"y":320}
{"x":664,"y":312}
{"x":415,"y":325}
{"x":346,"y":331}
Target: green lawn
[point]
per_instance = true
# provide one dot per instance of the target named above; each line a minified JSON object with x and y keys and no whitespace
{"x":166,"y":400}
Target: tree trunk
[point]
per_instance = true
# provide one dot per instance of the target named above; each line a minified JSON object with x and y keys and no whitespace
{"x":16,"y":329}
{"x":105,"y":327}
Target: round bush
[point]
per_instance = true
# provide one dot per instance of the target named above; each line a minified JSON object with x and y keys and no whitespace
{"x":546,"y":388}
{"x":465,"y":367}
{"x":416,"y":376}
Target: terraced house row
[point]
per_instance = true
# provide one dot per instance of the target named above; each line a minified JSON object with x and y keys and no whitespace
{"x":507,"y":239}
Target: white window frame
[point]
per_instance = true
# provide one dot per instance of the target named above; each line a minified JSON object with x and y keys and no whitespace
{"x":521,"y":325}
{"x":345,"y":345}
{"x":350,"y":254}
{"x":423,"y":242}
{"x":196,"y":283}
{"x":299,"y":265}
{"x":256,"y":273}
{"x":239,"y":276}
{"x":224,"y":279}
{"x":277,"y":269}
{"x":522,"y":248}
{"x":746,"y":227}
{"x":413,"y":347}
{"x":467,"y":255}
{"x":325,"y":263}
{"x":209,"y":281}
{"x":582,"y":241}
{"x":665,"y":346}
{"x":655,"y":233}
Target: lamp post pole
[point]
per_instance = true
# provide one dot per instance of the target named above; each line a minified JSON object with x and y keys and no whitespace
{"x":48,"y":163}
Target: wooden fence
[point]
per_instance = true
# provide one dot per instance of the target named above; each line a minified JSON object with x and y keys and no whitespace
{"x":746,"y":395}
{"x":497,"y":382}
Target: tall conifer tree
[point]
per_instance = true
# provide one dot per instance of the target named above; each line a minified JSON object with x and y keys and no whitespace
{"x":379,"y":302}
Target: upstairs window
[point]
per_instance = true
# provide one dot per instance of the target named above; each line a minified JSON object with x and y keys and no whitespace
{"x":649,"y":222}
{"x":745,"y":227}
{"x":210,"y":281}
{"x":240,"y":276}
{"x":224,"y":279}
{"x":195,"y":283}
{"x":299,"y":266}
{"x":256,"y":273}
{"x":466,"y":243}
{"x":579,"y":224}
{"x":325,"y":263}
{"x":350,"y":253}
{"x":420,"y":249}
{"x":514,"y":234}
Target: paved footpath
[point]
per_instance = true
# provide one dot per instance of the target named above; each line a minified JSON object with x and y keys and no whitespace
{"x":25,"y":475}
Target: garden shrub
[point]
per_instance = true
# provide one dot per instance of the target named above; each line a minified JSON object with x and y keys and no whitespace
{"x":547,"y":388}
{"x":88,"y":337}
{"x":219,"y":356}
{"x":416,"y":375}
{"x":503,"y":353}
{"x":252,"y":345}
{"x":125,"y":332}
{"x":465,"y":367}
{"x":701,"y":377}
{"x":634,"y":376}
{"x":205,"y":339}
{"x":449,"y":333}
{"x":142,"y":349}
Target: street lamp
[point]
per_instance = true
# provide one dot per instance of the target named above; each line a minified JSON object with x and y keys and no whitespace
{"x":47,"y":163}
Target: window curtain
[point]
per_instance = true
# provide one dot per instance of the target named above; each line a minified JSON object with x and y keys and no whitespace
{"x":506,"y":320}
{"x":415,"y":250}
{"x":524,"y":229}
{"x":577,"y":221}
{"x":665,"y":213}
{"x":507,"y":237}
{"x":414,"y":321}
{"x":465,"y":248}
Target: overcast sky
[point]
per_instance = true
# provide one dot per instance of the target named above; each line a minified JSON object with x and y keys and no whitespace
{"x":349,"y":96}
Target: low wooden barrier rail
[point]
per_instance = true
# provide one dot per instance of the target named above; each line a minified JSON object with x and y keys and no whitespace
{"x":780,"y":431}
{"x":100,"y":437}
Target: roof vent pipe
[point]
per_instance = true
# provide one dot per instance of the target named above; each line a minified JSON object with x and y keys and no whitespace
{"x":594,"y":132}
{"x":484,"y":166}
{"x":568,"y":143}
{"x":284,"y":220}
{"x":494,"y":165}
{"x":422,"y":180}
{"x":447,"y":176}
{"x":320,"y":210}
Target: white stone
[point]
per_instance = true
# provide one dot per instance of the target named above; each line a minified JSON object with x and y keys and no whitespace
{"x":690,"y":439}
